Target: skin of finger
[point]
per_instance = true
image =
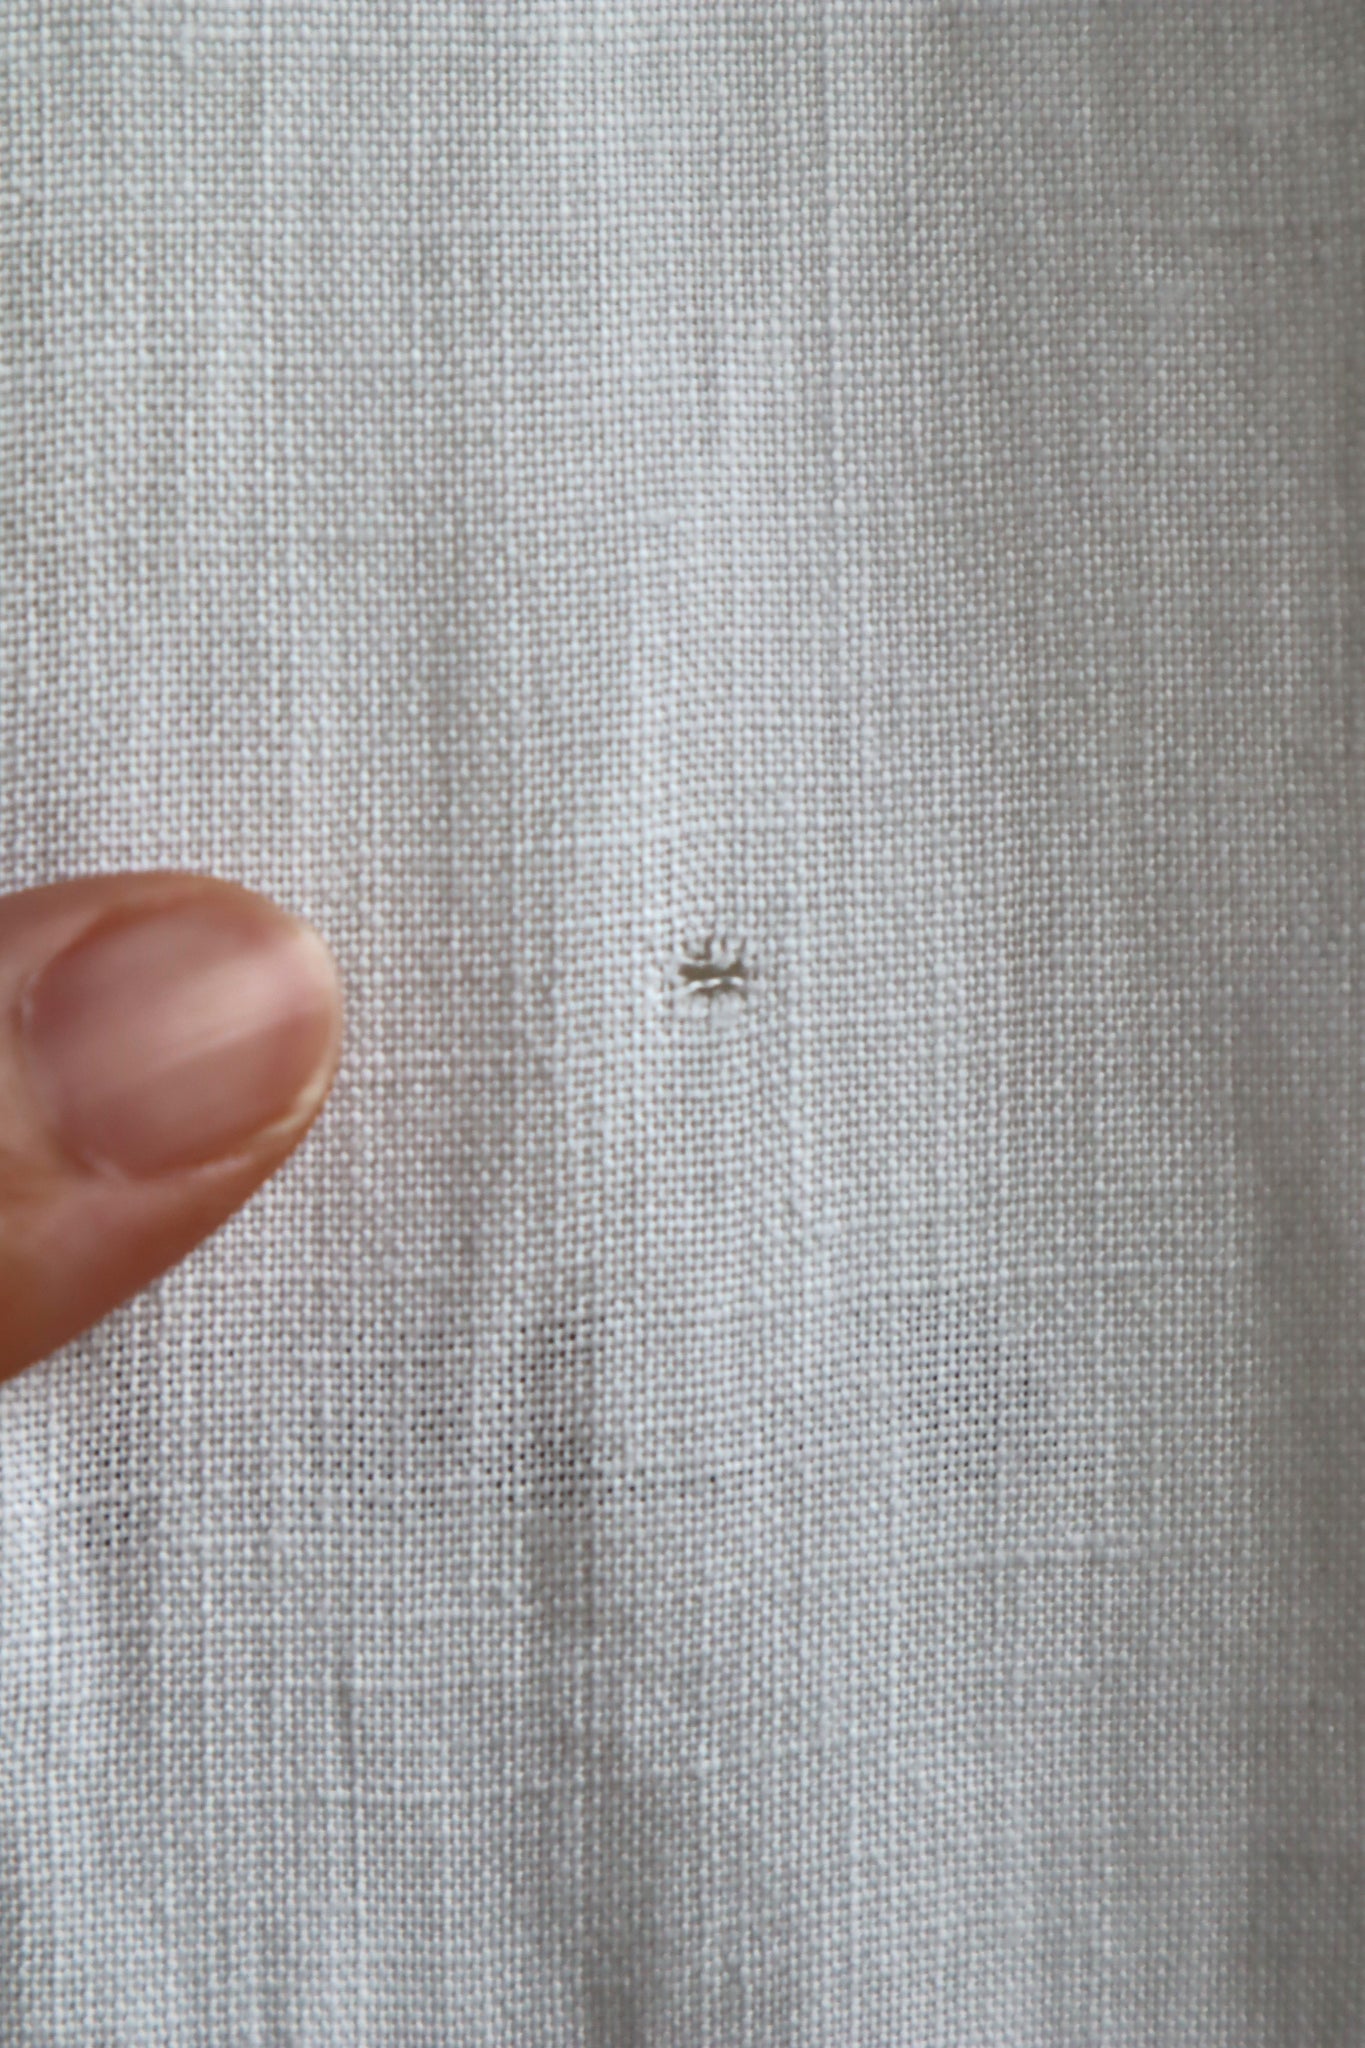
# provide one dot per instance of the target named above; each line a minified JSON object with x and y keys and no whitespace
{"x":74,"y":1244}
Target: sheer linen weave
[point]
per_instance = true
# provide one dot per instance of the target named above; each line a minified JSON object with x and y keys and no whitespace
{"x":786,"y":583}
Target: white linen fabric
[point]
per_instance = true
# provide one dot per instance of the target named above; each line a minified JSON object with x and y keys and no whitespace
{"x":786,"y":583}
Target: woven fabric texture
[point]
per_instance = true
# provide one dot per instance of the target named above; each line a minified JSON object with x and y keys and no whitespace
{"x":785,"y":583}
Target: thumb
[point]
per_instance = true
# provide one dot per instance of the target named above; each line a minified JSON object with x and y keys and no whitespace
{"x":165,"y":1042}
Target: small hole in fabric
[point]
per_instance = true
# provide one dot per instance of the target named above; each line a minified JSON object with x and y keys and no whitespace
{"x":713,"y":969}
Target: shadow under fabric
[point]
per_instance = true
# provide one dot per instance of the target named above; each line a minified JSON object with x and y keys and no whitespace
{"x":786,"y":586}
